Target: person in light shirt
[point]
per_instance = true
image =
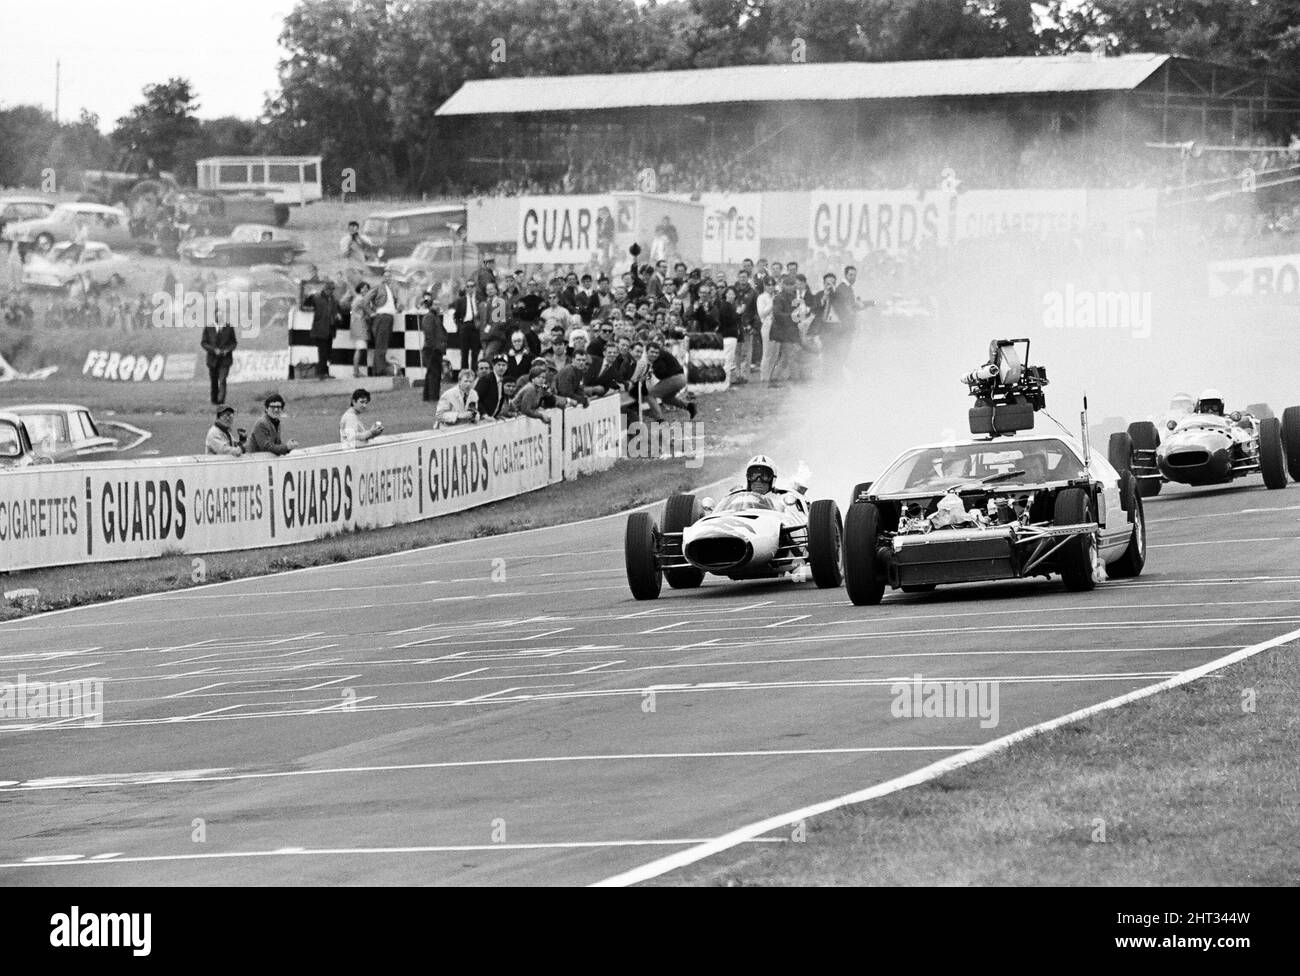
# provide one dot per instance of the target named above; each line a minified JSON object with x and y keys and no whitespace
{"x":352,"y":432}
{"x":384,"y":305}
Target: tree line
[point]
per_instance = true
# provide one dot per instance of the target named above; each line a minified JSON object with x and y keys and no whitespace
{"x":360,"y":80}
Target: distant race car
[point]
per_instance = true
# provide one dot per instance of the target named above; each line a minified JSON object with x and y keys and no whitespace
{"x":1005,"y":504}
{"x":1204,"y":447}
{"x":747,"y":535}
{"x":247,"y":244}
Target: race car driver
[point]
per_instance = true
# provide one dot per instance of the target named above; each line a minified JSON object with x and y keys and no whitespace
{"x":760,"y":478}
{"x":1210,"y":402}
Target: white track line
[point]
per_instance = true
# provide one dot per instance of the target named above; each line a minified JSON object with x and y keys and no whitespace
{"x":743,"y":834}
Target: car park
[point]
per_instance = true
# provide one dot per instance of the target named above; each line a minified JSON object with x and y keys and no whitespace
{"x":102,"y":223}
{"x":1004,"y":504}
{"x":247,"y":244}
{"x":75,"y":266}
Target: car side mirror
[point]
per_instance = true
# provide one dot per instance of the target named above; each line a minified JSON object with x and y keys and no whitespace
{"x":707,"y":504}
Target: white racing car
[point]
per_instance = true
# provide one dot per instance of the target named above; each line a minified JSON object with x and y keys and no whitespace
{"x":755,"y":532}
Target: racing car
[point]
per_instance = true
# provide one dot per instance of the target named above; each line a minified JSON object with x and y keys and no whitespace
{"x":1004,"y":504}
{"x":1205,"y":447}
{"x":755,"y":532}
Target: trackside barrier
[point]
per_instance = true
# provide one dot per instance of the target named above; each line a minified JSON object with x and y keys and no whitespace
{"x":55,"y":515}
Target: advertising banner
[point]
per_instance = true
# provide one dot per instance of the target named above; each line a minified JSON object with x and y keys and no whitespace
{"x":1264,"y":279}
{"x":860,"y":223}
{"x":564,"y":230}
{"x":1039,"y":213}
{"x":590,"y":437}
{"x":733,"y":226}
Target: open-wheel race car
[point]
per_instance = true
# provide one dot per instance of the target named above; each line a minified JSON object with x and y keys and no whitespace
{"x":1203,"y":446}
{"x":1005,"y":504}
{"x":749,"y":534}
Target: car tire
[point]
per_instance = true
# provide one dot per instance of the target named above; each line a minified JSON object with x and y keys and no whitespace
{"x":1272,"y":456}
{"x":641,"y":556}
{"x":1135,"y":556}
{"x":825,"y":544}
{"x":1260,"y":411}
{"x":1119,"y":452}
{"x":1291,"y":440}
{"x":1143,"y":436}
{"x":679,"y":512}
{"x":1074,"y":561}
{"x":864,"y":576}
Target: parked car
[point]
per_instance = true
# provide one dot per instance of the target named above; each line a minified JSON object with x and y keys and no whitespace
{"x":220,"y":213}
{"x":397,"y":233}
{"x":16,"y":448}
{"x":107,"y":225}
{"x":247,"y":244}
{"x":70,"y":265}
{"x":433,"y":261}
{"x":24,"y":208}
{"x":63,"y":431}
{"x":278,"y":291}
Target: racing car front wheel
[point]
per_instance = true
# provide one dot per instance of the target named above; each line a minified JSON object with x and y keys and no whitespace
{"x":679,"y":512}
{"x":1135,"y":556}
{"x":864,"y":576}
{"x":1272,"y":457}
{"x":1291,"y":440}
{"x":1120,"y":452}
{"x":1074,"y":560}
{"x":1144,"y":437}
{"x":825,"y":539}
{"x":641,"y":556}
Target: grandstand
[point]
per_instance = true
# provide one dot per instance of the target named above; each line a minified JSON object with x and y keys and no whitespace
{"x":1078,"y":120}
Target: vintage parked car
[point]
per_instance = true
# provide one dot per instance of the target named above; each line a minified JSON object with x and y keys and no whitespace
{"x":397,"y":233}
{"x":64,"y":431}
{"x":432,"y":262}
{"x":72,"y":266}
{"x":276,"y":288}
{"x":24,"y":208}
{"x":16,"y":448}
{"x":107,"y":225}
{"x":247,"y":244}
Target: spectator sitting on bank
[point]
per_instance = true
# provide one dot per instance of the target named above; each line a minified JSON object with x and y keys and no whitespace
{"x":221,"y":439}
{"x":265,"y":435}
{"x":459,"y":405}
{"x":519,"y":360}
{"x":529,"y":401}
{"x":506,"y":408}
{"x":352,"y":431}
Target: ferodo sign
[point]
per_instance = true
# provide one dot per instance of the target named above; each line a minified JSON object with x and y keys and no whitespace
{"x":1272,"y":278}
{"x":563,"y":230}
{"x":877,"y":221}
{"x":53,"y":515}
{"x":108,"y":365}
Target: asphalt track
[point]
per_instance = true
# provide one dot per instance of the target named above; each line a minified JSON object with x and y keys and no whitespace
{"x":500,"y":711}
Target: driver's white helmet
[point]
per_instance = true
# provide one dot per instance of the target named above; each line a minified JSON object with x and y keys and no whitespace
{"x":759,"y":462}
{"x":1210,"y":401}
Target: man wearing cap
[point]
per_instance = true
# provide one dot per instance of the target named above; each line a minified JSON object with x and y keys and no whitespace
{"x":491,"y":389}
{"x":265,"y":435}
{"x":221,"y":439}
{"x":352,"y":431}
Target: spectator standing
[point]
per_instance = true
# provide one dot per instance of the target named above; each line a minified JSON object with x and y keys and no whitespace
{"x":324,"y":320}
{"x":219,"y":341}
{"x":385,"y":306}
{"x":432,"y":352}
{"x":466,"y":315}
{"x":729,"y":328}
{"x":355,"y":248}
{"x":784,"y":336}
{"x":221,"y":439}
{"x":265,"y":435}
{"x":486,"y":274}
{"x":352,"y":431}
{"x":519,"y":358}
{"x":493,"y":323}
{"x":359,"y":328}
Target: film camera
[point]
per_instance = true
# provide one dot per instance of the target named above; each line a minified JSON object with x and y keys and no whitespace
{"x":1007,"y":390}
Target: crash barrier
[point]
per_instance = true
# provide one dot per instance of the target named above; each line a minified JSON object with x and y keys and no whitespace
{"x":403,"y":348}
{"x":56,"y":515}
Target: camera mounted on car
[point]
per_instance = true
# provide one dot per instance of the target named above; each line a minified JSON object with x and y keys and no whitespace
{"x":1007,"y":390}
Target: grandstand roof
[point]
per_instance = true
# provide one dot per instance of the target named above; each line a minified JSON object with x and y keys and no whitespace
{"x":846,"y":81}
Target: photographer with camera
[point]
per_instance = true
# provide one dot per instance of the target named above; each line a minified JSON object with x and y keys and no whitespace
{"x":459,"y":405}
{"x":355,"y":246}
{"x":220,"y":439}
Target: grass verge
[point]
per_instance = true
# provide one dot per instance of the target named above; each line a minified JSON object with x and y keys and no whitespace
{"x":1187,"y":787}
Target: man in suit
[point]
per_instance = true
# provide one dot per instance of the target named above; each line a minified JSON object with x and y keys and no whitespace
{"x":433,"y":351}
{"x":491,"y":389}
{"x":465,"y":313}
{"x":384,"y":306}
{"x":219,"y":342}
{"x":493,"y":322}
{"x":324,"y":320}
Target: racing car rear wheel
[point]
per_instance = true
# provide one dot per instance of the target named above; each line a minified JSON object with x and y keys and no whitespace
{"x":1120,"y":452}
{"x":1291,"y":440}
{"x":641,"y":556}
{"x":1260,"y":411}
{"x":1074,"y":560}
{"x":1135,"y":556}
{"x":1272,"y":457}
{"x":679,"y":512}
{"x":864,"y":576}
{"x":825,"y":540}
{"x":1143,"y":436}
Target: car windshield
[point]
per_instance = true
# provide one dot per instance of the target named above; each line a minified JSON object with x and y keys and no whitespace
{"x":940,"y":468}
{"x":45,"y":427}
{"x":742,"y":500}
{"x":374,"y":227}
{"x":246,"y":233}
{"x":10,"y":445}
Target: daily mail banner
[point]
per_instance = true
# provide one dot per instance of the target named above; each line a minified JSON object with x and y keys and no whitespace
{"x":1268,"y":278}
{"x":54,"y":515}
{"x":872,"y":221}
{"x":563,"y":230}
{"x":1040,"y":213}
{"x":590,"y":438}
